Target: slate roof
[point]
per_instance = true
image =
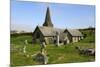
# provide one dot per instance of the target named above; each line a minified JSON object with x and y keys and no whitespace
{"x":74,"y":32}
{"x":50,"y":31}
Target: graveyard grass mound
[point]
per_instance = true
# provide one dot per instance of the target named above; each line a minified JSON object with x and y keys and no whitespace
{"x":56,"y":55}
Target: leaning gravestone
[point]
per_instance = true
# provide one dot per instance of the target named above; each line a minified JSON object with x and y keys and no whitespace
{"x":24,"y":47}
{"x":42,"y":57}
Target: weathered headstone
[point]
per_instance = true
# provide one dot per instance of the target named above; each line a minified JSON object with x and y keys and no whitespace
{"x":43,"y":46}
{"x":45,"y":59}
{"x":57,"y":34}
{"x":26,"y":42}
{"x":42,"y":58}
{"x":24,"y":49}
{"x":89,"y":51}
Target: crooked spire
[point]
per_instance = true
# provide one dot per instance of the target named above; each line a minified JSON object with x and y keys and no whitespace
{"x":48,"y":21}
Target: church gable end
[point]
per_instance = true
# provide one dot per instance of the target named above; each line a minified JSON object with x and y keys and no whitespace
{"x":37,"y":35}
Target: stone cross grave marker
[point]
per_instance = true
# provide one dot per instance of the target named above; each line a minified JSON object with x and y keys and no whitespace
{"x":24,"y":48}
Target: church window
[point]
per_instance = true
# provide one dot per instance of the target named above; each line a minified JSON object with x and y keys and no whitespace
{"x":38,"y":35}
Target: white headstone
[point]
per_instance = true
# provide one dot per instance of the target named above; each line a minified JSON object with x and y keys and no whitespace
{"x":45,"y":59}
{"x":57,"y":33}
{"x":24,"y":49}
{"x":26,"y":42}
{"x":57,"y":40}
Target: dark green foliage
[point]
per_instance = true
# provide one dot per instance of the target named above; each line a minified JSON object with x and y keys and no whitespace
{"x":89,"y":35}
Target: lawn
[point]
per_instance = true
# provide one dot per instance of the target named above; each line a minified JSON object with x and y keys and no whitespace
{"x":56,"y":55}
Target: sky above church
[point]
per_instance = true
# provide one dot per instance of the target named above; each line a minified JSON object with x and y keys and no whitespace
{"x":27,"y":15}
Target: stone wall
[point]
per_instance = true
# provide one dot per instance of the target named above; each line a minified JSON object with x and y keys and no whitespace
{"x":77,"y":38}
{"x":37,"y":37}
{"x":49,"y":40}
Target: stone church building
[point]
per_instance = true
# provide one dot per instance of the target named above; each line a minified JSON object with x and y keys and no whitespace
{"x":51,"y":35}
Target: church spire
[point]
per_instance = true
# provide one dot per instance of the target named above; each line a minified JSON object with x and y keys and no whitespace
{"x":48,"y":21}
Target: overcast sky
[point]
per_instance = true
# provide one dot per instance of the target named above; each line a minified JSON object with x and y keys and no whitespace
{"x":27,"y":15}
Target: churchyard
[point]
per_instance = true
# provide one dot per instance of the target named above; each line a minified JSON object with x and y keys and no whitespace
{"x":56,"y":55}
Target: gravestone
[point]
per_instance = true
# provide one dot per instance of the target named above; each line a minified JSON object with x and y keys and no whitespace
{"x":43,"y":46}
{"x":24,"y":49}
{"x":26,"y":42}
{"x":41,"y":56}
{"x":57,"y":34}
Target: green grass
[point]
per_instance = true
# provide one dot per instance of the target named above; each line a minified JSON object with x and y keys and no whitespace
{"x":57,"y":55}
{"x":20,"y":39}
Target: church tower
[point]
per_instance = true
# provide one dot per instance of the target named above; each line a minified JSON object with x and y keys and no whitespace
{"x":48,"y":21}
